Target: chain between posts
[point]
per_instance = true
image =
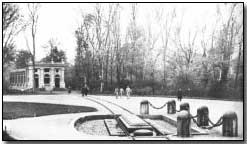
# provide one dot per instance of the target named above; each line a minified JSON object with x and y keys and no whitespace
{"x":157,"y":107}
{"x":218,"y":123}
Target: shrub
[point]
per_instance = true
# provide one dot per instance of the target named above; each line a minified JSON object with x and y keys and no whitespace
{"x":143,"y":91}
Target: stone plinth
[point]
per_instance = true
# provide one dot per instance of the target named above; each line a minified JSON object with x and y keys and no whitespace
{"x":133,"y":122}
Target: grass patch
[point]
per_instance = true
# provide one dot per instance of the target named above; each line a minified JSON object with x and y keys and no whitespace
{"x":13,"y":110}
{"x":7,"y":137}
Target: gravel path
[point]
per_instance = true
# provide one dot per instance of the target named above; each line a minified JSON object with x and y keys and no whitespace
{"x":94,"y":127}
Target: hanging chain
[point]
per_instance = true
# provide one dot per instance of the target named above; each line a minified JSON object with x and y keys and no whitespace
{"x":218,"y":123}
{"x":157,"y":107}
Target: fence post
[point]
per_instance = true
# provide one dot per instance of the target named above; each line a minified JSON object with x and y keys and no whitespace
{"x":171,"y":107}
{"x":183,"y":124}
{"x":144,"y":107}
{"x":230,"y":124}
{"x":202,"y":116}
{"x":185,"y":106}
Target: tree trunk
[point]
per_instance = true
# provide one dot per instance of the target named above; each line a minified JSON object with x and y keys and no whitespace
{"x":33,"y":59}
{"x":153,"y":89}
{"x":132,"y":67}
{"x":106,"y":68}
{"x":238,"y":66}
{"x":102,"y":78}
{"x":118,"y":75}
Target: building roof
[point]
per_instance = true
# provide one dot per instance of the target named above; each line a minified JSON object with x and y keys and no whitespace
{"x":18,"y":70}
{"x":51,"y":64}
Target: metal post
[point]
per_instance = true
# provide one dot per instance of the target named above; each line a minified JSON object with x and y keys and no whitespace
{"x":144,"y":107}
{"x":202,"y":116}
{"x":171,"y":107}
{"x":185,"y":106}
{"x":183,"y":124}
{"x":230,"y":124}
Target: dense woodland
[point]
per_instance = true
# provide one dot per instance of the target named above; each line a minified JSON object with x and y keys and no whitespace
{"x":153,"y":58}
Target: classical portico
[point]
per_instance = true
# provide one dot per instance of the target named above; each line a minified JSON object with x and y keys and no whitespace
{"x":47,"y":75}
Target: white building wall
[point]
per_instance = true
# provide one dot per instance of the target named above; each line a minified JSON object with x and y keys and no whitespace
{"x":30,"y":77}
{"x":52,"y":77}
{"x":62,"y":83}
{"x":41,"y":73}
{"x":41,"y":81}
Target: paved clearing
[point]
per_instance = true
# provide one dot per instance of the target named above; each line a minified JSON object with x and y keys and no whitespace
{"x":60,"y":127}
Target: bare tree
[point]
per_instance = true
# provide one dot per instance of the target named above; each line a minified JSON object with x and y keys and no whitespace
{"x":117,"y":41}
{"x":132,"y":32}
{"x":12,"y":25}
{"x":226,"y":39}
{"x":152,"y":52}
{"x":165,"y":21}
{"x":240,"y":55}
{"x":107,"y":43}
{"x":33,"y":18}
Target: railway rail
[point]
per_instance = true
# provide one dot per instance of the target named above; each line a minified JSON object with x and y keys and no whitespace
{"x":117,"y":111}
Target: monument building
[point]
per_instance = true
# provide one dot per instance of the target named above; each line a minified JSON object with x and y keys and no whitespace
{"x":47,"y":76}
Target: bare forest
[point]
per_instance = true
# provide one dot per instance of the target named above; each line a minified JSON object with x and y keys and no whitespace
{"x":154,"y":57}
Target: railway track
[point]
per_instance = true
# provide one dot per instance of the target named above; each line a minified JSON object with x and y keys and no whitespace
{"x":118,"y":110}
{"x":113,"y":112}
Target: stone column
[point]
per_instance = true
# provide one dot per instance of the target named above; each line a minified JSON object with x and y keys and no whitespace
{"x":30,"y":75}
{"x":41,"y":81}
{"x":52,"y":78}
{"x":27,"y":79}
{"x":15,"y":78}
{"x":22,"y":79}
{"x":39,"y":74}
{"x":18,"y":79}
{"x":62,"y":83}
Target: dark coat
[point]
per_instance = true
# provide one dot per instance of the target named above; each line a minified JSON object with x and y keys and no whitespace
{"x":84,"y":90}
{"x":179,"y":93}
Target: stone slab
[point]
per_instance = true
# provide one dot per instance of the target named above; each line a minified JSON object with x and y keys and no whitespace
{"x":158,"y":127}
{"x":113,"y":128}
{"x":133,"y":122}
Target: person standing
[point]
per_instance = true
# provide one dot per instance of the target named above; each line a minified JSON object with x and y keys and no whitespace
{"x":188,"y":92}
{"x":69,"y":89}
{"x":116,"y":92}
{"x":179,"y":94}
{"x":121,"y":92}
{"x":128,"y":91}
{"x":86,"y":89}
{"x":82,"y":91}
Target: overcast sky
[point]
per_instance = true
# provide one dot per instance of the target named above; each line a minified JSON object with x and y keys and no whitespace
{"x":60,"y":20}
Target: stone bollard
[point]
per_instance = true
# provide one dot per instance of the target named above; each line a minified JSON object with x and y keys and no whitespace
{"x":144,"y":107}
{"x":183,"y":124}
{"x":171,"y":107}
{"x":230,"y":124}
{"x":185,"y":106}
{"x":202,"y":116}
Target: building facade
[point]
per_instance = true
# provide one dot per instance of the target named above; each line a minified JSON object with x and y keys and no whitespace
{"x":47,"y":76}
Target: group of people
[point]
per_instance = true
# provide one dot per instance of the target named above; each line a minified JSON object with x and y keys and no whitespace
{"x":120,"y":92}
{"x":84,"y":90}
{"x":180,"y":93}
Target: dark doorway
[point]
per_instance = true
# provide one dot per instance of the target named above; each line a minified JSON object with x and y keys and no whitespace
{"x":36,"y":78}
{"x":57,"y":81}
